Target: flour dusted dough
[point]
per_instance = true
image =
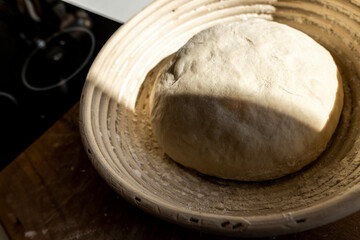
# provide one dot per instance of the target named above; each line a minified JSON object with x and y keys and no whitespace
{"x":252,"y":100}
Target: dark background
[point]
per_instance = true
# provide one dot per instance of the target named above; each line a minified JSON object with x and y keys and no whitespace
{"x":42,"y":44}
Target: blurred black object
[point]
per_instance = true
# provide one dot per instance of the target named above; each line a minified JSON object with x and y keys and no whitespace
{"x":46,"y":49}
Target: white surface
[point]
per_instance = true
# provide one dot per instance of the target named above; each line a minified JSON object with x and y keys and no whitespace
{"x":118,"y":10}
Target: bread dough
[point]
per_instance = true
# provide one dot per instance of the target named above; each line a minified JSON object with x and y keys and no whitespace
{"x":252,"y":100}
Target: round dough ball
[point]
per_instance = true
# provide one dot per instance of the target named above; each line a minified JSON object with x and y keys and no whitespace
{"x":252,"y":100}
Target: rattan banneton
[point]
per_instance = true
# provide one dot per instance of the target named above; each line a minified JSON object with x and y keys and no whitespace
{"x":117,"y":134}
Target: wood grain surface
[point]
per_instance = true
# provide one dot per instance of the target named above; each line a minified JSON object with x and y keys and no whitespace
{"x":51,"y":191}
